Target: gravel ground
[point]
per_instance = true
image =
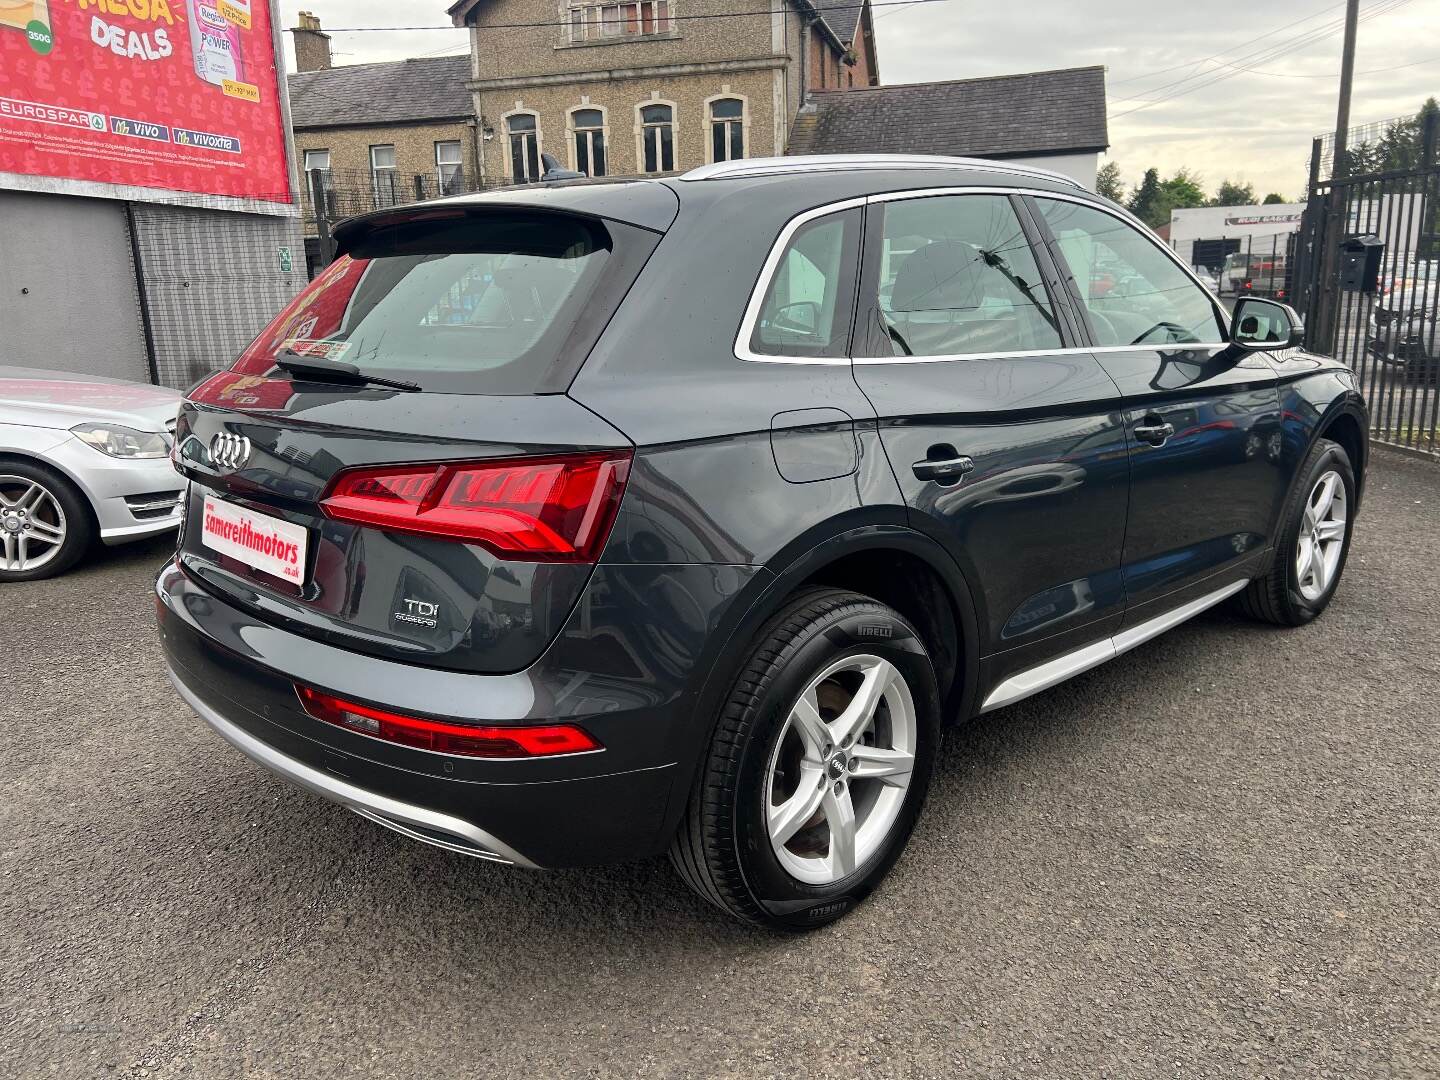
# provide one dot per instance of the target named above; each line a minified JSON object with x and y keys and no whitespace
{"x":1218,"y":856}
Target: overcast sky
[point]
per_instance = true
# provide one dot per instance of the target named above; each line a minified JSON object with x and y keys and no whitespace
{"x":1220,"y":121}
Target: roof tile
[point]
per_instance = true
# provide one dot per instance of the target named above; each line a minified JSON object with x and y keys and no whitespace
{"x":429,"y":88}
{"x":1011,"y":115}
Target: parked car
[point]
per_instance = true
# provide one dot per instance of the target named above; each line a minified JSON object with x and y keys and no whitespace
{"x":81,"y":458}
{"x":1404,"y":325}
{"x":726,"y":490}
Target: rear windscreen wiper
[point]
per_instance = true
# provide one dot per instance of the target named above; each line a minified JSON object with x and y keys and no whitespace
{"x":333,"y":371}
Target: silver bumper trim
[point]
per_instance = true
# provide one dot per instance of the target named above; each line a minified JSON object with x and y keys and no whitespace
{"x":428,"y":826}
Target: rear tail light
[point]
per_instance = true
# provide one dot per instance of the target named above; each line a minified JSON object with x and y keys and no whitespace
{"x":468,"y":740}
{"x":541,"y":509}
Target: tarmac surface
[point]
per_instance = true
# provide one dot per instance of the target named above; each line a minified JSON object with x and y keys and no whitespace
{"x":1217,"y":856}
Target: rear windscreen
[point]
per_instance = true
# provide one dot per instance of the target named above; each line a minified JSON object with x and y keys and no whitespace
{"x":457,"y":302}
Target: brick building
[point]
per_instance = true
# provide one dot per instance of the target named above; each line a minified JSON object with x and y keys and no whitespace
{"x":651,"y":86}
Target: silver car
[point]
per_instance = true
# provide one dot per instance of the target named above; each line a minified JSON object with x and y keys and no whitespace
{"x":81,"y":458}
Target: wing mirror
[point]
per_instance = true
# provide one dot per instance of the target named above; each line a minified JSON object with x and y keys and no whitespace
{"x":1266,"y":325}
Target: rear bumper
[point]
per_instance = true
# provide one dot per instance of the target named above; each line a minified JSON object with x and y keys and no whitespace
{"x":239,"y":674}
{"x":430,"y":826}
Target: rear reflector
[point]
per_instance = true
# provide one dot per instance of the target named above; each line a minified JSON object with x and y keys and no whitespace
{"x":541,"y":509}
{"x":466,"y":739}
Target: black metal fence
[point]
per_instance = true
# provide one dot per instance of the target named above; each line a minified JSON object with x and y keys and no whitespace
{"x":1246,"y":265}
{"x":1367,"y":277}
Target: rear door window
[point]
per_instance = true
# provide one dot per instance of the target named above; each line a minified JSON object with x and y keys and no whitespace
{"x":482,"y":303}
{"x":956,"y":276}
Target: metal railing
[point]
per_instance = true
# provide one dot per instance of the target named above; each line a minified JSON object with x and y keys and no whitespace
{"x":1368,"y":280}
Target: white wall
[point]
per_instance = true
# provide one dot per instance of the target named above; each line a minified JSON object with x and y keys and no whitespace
{"x":1079,"y":167}
{"x":1221,"y":222}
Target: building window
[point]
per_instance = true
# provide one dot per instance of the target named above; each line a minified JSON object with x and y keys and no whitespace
{"x":657,"y":138}
{"x":449,"y":173}
{"x":727,"y":129}
{"x":524,"y":147}
{"x":589,"y":128}
{"x":384,"y":176}
{"x":594,"y":22}
{"x":318,"y":161}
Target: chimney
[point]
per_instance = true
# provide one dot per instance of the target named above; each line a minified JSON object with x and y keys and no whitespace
{"x":312,"y":46}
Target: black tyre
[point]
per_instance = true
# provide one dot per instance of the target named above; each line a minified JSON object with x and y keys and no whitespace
{"x":45,"y":523}
{"x":818,"y":767}
{"x":1314,"y":542}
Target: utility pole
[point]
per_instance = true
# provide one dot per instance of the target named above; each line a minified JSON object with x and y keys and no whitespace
{"x":1347,"y":79}
{"x":1333,"y":234}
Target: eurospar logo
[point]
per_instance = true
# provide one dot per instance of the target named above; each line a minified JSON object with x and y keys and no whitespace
{"x":206,"y":140}
{"x":40,"y":112}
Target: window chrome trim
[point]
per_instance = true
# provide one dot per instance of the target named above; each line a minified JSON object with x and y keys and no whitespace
{"x":757,"y":296}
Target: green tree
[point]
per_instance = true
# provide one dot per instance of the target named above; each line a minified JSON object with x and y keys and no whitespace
{"x":1182,"y":191}
{"x":1108,"y":182}
{"x":1144,"y":200}
{"x":1273,"y":198}
{"x":1234,"y":194}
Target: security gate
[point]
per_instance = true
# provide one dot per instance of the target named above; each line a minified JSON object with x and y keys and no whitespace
{"x":1368,"y":281}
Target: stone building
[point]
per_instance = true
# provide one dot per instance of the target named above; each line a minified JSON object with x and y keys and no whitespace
{"x":379,"y":134}
{"x":652,"y":86}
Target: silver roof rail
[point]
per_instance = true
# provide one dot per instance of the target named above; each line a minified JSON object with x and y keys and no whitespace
{"x":777,"y":166}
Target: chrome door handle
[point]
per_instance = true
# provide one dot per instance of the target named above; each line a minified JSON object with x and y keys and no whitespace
{"x":1154,"y":434}
{"x":943,"y":469}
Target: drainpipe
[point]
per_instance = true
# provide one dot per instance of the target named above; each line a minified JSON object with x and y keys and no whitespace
{"x":804,"y":61}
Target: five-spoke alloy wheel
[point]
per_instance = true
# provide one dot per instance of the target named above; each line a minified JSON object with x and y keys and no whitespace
{"x":1322,"y":536}
{"x":819,"y":764}
{"x":840,"y":769}
{"x":1312,"y":542}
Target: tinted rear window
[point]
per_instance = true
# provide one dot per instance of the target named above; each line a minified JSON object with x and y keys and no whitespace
{"x":463,"y":302}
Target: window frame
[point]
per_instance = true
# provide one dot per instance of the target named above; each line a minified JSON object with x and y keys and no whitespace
{"x":458,"y":164}
{"x":852,"y":224}
{"x":572,"y":132}
{"x":395,"y":195}
{"x":710,"y":122}
{"x":1080,"y":311}
{"x":641,"y":127}
{"x":585,"y":22}
{"x":1075,"y":332}
{"x":873,"y":345}
{"x":509,"y":152}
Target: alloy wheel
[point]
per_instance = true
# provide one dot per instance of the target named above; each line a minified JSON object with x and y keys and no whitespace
{"x":32,"y":524}
{"x":1322,"y":537}
{"x":840,"y":769}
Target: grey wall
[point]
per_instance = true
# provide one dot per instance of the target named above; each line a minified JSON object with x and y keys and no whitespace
{"x":67,"y":287}
{"x":70,"y":297}
{"x":213,"y":279}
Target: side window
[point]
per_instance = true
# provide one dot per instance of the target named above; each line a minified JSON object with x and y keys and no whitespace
{"x":956,"y":275}
{"x":1135,"y":293}
{"x":807,"y":305}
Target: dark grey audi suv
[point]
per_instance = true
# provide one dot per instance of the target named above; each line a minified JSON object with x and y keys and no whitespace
{"x":582,"y":521}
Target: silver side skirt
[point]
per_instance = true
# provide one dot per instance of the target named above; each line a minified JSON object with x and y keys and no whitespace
{"x":1046,"y":675}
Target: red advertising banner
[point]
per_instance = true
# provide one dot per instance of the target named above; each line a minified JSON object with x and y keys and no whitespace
{"x":178,"y":95}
